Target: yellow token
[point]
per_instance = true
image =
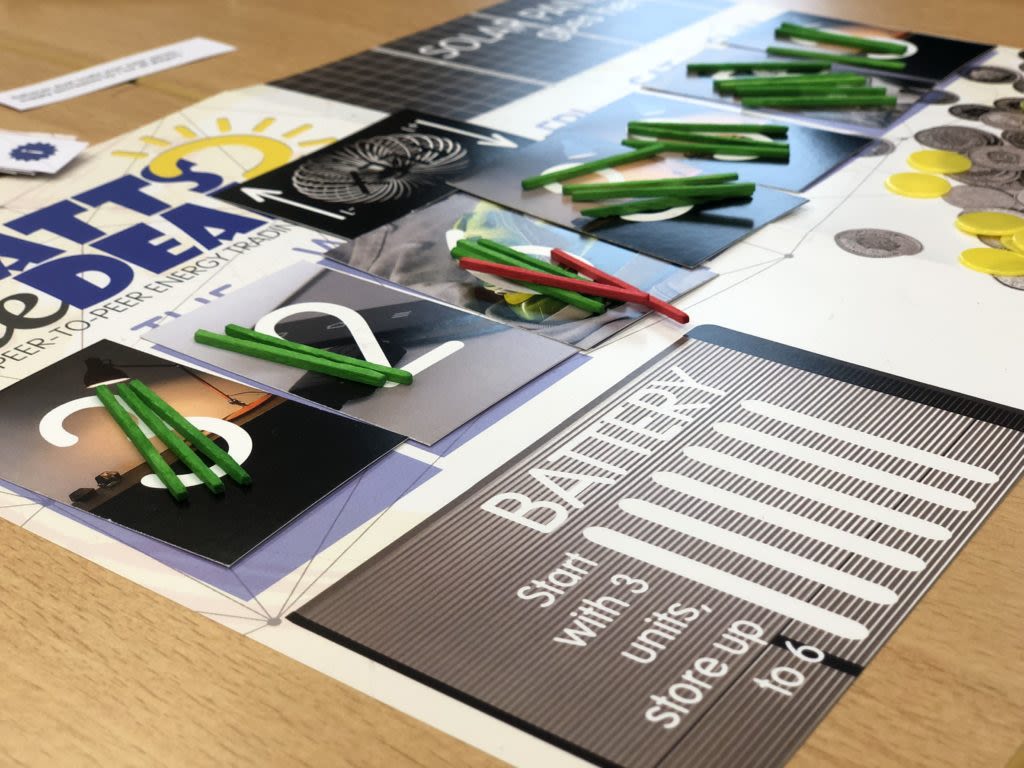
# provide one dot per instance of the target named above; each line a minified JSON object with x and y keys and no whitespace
{"x":1010,"y":242}
{"x":917,"y":185}
{"x":939,"y":161}
{"x":517,"y":298}
{"x":993,"y":261}
{"x":989,"y":223}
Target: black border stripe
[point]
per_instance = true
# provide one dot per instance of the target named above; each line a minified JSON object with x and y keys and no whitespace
{"x":455,"y":693}
{"x":914,"y":391}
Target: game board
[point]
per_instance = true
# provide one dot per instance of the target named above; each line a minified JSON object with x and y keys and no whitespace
{"x":610,"y":538}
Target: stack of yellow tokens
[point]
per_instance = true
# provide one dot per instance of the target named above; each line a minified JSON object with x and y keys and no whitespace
{"x":1009,"y":228}
{"x":927,"y":183}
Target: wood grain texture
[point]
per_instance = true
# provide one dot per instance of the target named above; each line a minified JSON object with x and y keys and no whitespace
{"x":98,"y":671}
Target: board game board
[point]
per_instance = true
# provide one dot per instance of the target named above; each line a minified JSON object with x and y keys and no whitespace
{"x":575,"y":537}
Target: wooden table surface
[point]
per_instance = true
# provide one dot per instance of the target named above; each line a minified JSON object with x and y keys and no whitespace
{"x":95,"y":670}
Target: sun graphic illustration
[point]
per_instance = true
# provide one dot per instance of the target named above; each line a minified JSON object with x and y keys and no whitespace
{"x":273,"y":151}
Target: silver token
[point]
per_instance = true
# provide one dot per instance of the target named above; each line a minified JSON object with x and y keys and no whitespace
{"x":963,"y":196}
{"x":969,"y":111}
{"x":940,"y":97}
{"x":877,"y":243}
{"x":1016,"y":138}
{"x":990,"y":75}
{"x":1002,"y":158}
{"x":1011,"y":103}
{"x":877,"y":148}
{"x":955,"y":138}
{"x":1005,"y":211}
{"x":1004,"y":119}
{"x":987,"y":177}
{"x":1020,"y":198}
{"x":1019,"y":85}
{"x":1017,"y":283}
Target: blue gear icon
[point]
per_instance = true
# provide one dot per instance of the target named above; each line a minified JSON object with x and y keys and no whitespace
{"x":33,"y":151}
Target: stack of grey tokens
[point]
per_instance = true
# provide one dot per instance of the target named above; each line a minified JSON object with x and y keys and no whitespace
{"x":995,"y":181}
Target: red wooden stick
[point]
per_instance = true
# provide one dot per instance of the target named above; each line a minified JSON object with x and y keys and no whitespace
{"x":661,"y":307}
{"x":586,"y":287}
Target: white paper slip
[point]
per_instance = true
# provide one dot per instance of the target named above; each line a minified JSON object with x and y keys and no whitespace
{"x":112,"y":73}
{"x":37,"y":152}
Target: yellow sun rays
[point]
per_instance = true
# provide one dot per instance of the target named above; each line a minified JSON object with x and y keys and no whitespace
{"x":195,"y":141}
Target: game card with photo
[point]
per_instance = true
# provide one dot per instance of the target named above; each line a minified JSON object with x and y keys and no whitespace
{"x":813,"y":152}
{"x":70,"y":449}
{"x":375,"y":175}
{"x":415,"y":251}
{"x":924,"y":57}
{"x":684,"y":235}
{"x":460,"y":363}
{"x":680,"y":81}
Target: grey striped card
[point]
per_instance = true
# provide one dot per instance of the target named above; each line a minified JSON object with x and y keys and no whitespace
{"x":692,"y":568}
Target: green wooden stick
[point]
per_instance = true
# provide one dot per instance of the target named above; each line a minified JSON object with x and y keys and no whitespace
{"x":865,"y":44}
{"x":682,"y":181}
{"x":584,"y":168}
{"x":707,"y":150}
{"x":819,"y":102}
{"x":839,"y":78}
{"x":474,"y":250}
{"x":743,"y":90}
{"x":525,"y":259}
{"x":131,"y":430}
{"x":293,"y":359}
{"x":638,"y":206}
{"x":803,"y":90}
{"x":692,"y":194}
{"x":184,"y":427}
{"x":711,"y":138}
{"x":838,"y":58}
{"x":765,"y":129}
{"x":177,"y":446}
{"x":710,"y":67}
{"x":247,"y":334}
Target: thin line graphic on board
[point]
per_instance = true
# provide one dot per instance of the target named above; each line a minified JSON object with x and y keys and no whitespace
{"x":214,"y":614}
{"x":343,"y":507}
{"x":265,"y":616}
{"x":72,"y":514}
{"x":30,"y":517}
{"x":286,"y":608}
{"x":456,"y":435}
{"x":842,"y":200}
{"x":251,"y":594}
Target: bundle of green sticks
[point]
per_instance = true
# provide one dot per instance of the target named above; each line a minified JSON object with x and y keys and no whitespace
{"x":566,"y":278}
{"x":648,"y":139}
{"x":264,"y":346}
{"x":808,"y":82}
{"x":173,"y":430}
